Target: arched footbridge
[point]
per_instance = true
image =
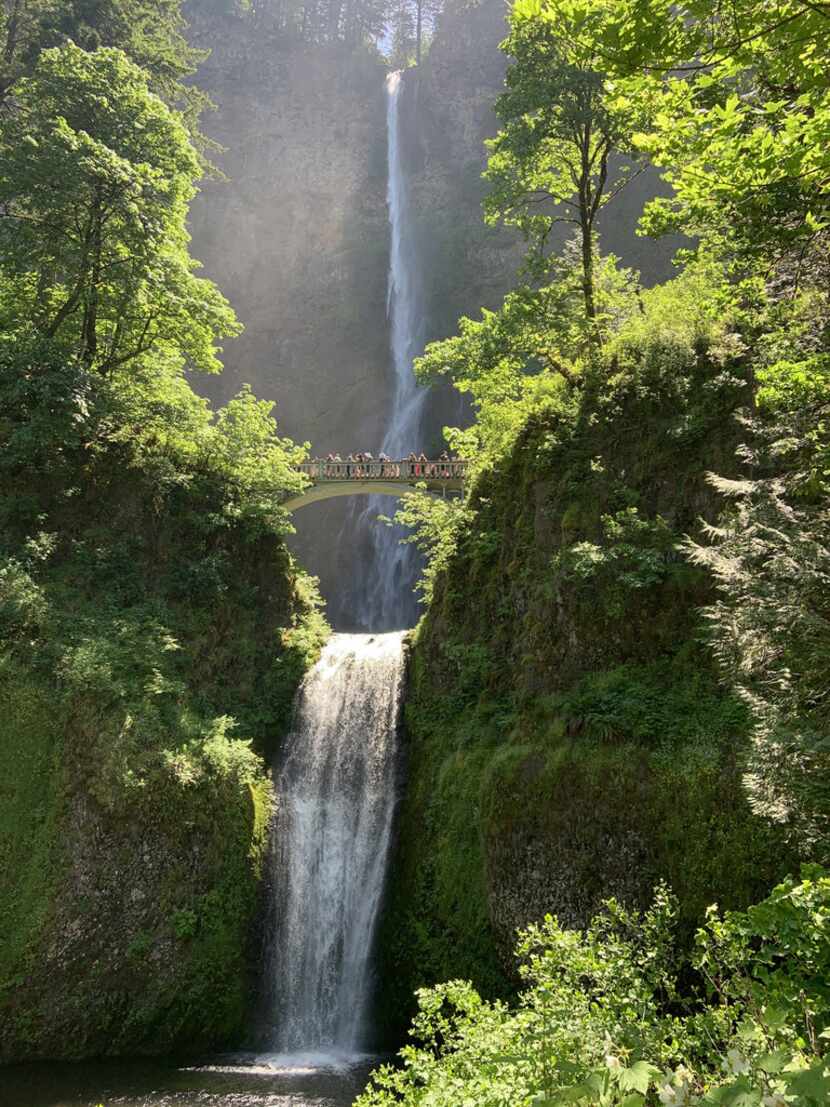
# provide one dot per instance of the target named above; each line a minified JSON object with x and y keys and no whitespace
{"x":330,"y":479}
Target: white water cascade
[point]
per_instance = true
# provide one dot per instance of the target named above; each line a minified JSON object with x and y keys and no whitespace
{"x":403,"y":303}
{"x":331,"y":838}
{"x":388,"y":602}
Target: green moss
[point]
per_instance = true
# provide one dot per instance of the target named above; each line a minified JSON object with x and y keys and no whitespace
{"x":569,"y":739}
{"x":152,"y":645}
{"x":30,"y":807}
{"x":629,"y":779}
{"x":125,"y":925}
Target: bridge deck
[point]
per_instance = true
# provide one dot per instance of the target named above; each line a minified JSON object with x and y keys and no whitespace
{"x":332,"y":479}
{"x":407,"y":472}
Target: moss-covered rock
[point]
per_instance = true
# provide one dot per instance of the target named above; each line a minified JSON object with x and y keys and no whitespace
{"x":127,"y":923}
{"x":153,"y":629}
{"x":569,"y":740}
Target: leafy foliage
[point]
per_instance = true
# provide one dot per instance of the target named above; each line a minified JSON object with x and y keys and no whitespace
{"x":771,"y":624}
{"x":150,"y":32}
{"x":401,"y":28}
{"x":636,"y":553}
{"x":557,"y":157}
{"x":528,"y":354}
{"x":740,"y":115}
{"x":96,"y":175}
{"x":153,"y":626}
{"x":433,"y":528}
{"x":601,"y":1020}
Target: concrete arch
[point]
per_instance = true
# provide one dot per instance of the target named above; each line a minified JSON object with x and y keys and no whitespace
{"x":329,"y":490}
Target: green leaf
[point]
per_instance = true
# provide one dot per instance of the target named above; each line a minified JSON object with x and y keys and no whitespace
{"x":564,"y":1095}
{"x":775,"y":1018}
{"x":638,"y":1077}
{"x":812,"y":1083}
{"x":773,"y":1062}
{"x":737,"y":1094}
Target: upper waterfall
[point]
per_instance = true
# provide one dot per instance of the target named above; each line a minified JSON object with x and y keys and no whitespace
{"x":387,"y":602}
{"x":404,"y":302}
{"x":336,"y":801}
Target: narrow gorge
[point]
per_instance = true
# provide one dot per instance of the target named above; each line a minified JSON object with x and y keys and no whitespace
{"x":414,"y":554}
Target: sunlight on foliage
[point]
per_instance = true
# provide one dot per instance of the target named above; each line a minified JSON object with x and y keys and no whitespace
{"x":601,"y":1021}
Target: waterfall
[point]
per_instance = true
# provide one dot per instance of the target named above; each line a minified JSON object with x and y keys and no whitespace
{"x":331,"y":836}
{"x":388,"y":603}
{"x":403,"y":301}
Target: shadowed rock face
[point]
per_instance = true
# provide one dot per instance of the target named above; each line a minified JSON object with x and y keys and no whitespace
{"x":297,"y":236}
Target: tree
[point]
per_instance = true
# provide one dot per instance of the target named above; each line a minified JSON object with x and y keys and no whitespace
{"x":317,"y":22}
{"x":529,"y":352}
{"x":770,"y":558}
{"x":410,"y":23}
{"x":552,"y":161}
{"x":741,"y":121}
{"x":96,"y":175}
{"x":150,"y":32}
{"x":426,"y":12}
{"x":363,"y":21}
{"x":401,"y":34}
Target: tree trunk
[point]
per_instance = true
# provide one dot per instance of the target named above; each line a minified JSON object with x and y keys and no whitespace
{"x":12,"y":32}
{"x":588,"y":206}
{"x":419,"y":26}
{"x":587,"y":229}
{"x":89,"y":335}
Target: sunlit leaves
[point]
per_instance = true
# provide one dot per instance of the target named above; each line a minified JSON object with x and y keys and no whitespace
{"x":600,"y":1024}
{"x":551,"y":162}
{"x":741,"y":117}
{"x":96,"y":175}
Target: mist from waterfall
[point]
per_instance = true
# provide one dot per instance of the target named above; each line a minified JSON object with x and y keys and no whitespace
{"x":388,"y":602}
{"x":336,"y":796}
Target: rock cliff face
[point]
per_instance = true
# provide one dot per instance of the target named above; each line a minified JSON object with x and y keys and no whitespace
{"x":297,"y":235}
{"x":569,"y":740}
{"x":141,"y":914}
{"x":133,"y":820}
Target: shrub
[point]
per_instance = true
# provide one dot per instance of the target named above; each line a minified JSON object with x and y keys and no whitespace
{"x":605,"y":1021}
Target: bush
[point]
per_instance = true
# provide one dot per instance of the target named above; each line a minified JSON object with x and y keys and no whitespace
{"x":615,"y":1017}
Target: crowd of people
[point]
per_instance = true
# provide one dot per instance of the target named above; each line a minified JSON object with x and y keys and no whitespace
{"x":361,"y":466}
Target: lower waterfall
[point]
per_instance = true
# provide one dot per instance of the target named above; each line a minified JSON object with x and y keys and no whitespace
{"x":336,"y":797}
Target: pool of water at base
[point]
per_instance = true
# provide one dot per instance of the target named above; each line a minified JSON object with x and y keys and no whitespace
{"x":238,"y":1080}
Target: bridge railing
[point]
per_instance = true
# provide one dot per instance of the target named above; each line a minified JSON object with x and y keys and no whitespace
{"x":408,"y":472}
